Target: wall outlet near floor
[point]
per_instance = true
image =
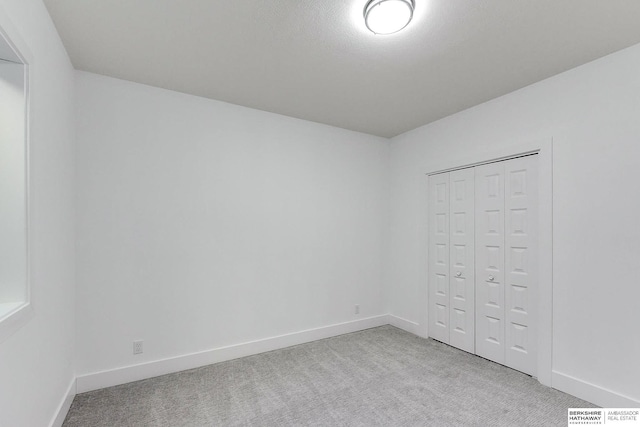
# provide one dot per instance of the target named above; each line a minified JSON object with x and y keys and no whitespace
{"x":137,"y":347}
{"x":356,"y":309}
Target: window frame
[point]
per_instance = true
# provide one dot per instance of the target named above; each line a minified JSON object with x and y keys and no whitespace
{"x":17,"y":315}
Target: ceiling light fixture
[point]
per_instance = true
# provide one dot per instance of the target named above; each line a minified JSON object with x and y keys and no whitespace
{"x":388,"y":16}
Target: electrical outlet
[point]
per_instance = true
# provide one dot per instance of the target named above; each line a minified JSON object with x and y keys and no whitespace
{"x":357,"y":309}
{"x":137,"y":347}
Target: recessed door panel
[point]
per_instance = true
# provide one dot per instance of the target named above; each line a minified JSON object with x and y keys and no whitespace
{"x":521,"y":201}
{"x":459,"y":289}
{"x":462,"y":271}
{"x":439,"y":254}
{"x":489,"y":255}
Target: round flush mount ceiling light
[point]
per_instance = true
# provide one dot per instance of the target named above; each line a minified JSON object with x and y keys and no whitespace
{"x":388,"y":16}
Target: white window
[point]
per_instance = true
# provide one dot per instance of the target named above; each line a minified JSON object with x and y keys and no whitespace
{"x":15,"y":307}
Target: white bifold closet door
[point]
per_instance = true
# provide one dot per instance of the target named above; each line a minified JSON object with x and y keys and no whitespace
{"x":490,"y":261}
{"x":462,"y":271}
{"x":483,"y":261}
{"x":521,"y":262}
{"x":451,"y":254}
{"x":506,"y":262}
{"x":439,"y":257}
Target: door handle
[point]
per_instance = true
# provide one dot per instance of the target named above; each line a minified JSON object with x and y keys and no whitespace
{"x":459,"y":273}
{"x":491,"y":278}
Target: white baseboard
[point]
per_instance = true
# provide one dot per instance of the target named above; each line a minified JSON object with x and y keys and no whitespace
{"x":404,"y":324}
{"x":590,"y":392}
{"x":64,"y":406}
{"x":152,"y":369}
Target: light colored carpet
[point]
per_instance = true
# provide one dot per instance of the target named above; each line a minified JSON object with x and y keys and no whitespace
{"x":378,"y":377}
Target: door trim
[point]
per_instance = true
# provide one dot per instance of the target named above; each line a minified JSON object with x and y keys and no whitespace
{"x":544,"y":149}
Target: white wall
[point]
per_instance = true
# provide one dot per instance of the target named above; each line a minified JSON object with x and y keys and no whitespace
{"x":593,"y":115}
{"x":36,"y":362}
{"x":203,"y":224}
{"x":13,"y":219}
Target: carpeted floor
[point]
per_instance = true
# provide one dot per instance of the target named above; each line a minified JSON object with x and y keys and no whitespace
{"x":378,"y":377}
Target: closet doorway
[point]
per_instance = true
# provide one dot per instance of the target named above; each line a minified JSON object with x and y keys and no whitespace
{"x":483,"y":260}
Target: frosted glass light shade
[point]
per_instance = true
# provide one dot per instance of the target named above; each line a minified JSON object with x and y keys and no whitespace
{"x":388,"y":16}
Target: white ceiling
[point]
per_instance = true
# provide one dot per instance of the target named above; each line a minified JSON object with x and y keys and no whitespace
{"x":314,"y":59}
